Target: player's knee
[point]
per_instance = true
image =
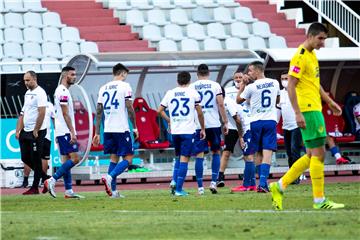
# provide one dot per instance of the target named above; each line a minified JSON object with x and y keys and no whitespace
{"x":226,"y":154}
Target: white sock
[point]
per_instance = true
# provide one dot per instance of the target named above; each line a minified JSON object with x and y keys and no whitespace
{"x":69,"y":191}
{"x":337,"y":156}
{"x":319,"y":200}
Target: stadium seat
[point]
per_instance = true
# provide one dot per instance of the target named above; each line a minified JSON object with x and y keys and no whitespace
{"x":277,"y":42}
{"x":14,"y":20}
{"x":89,"y":47}
{"x":173,"y":32}
{"x":163,"y":4}
{"x":179,"y":16}
{"x":13,"y":35}
{"x":223,"y":15}
{"x":32,"y":34}
{"x":152,"y":33}
{"x":50,"y":67}
{"x":34,"y":6}
{"x":207,"y":3}
{"x":196,"y":31}
{"x":228,"y":3}
{"x":157,"y":17}
{"x":13,"y":50}
{"x":184,"y":3}
{"x":141,"y":4}
{"x":70,"y":34}
{"x":135,"y":18}
{"x":244,"y":14}
{"x":2,"y":7}
{"x":261,"y":29}
{"x":10,"y":68}
{"x":32,"y":50}
{"x":32,"y":67}
{"x":2,"y":23}
{"x":234,"y":44}
{"x":52,"y":34}
{"x":1,"y":52}
{"x":33,"y":20}
{"x":51,"y":49}
{"x":69,"y":49}
{"x":256,"y":43}
{"x":189,"y":45}
{"x":116,"y":4}
{"x":52,"y":19}
{"x":201,"y":15}
{"x":14,"y":6}
{"x":216,"y":30}
{"x":212,"y":44}
{"x":1,"y":37}
{"x":240,"y":29}
{"x":167,"y":45}
{"x":146,"y":122}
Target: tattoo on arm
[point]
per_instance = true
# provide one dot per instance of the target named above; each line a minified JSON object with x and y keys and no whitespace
{"x":131,"y":112}
{"x":99,"y":112}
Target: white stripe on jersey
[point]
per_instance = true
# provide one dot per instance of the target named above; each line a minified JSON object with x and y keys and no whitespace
{"x":181,"y":103}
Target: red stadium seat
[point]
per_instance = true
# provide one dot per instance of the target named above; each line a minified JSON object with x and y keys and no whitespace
{"x":147,"y":125}
{"x":279,"y":130}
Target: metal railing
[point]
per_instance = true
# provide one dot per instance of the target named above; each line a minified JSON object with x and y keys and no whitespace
{"x":340,"y":15}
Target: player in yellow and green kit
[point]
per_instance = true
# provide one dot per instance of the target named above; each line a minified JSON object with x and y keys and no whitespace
{"x":305,"y":93}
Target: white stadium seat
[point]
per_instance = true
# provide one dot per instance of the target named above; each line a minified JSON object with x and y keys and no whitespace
{"x":89,"y":47}
{"x":14,"y":6}
{"x":12,"y":50}
{"x":69,"y":49}
{"x":51,"y":49}
{"x":234,"y":43}
{"x":152,"y":33}
{"x":2,"y":22}
{"x":196,"y":31}
{"x":1,"y":37}
{"x":52,"y":19}
{"x":244,"y":14}
{"x":1,"y":52}
{"x":223,"y":15}
{"x":52,"y":34}
{"x":14,"y":20}
{"x":50,"y":67}
{"x":216,"y":30}
{"x":184,"y":3}
{"x":157,"y":17}
{"x":33,"y":20}
{"x":135,"y":18}
{"x":34,"y":6}
{"x":189,"y":45}
{"x":167,"y":45}
{"x":141,"y":4}
{"x":173,"y":32}
{"x":228,"y":3}
{"x":201,"y":15}
{"x":13,"y":35}
{"x":32,"y":67}
{"x":240,"y":29}
{"x":207,"y":3}
{"x":256,"y":43}
{"x":10,"y":68}
{"x":212,"y":44}
{"x":261,"y":29}
{"x":70,"y":34}
{"x":32,"y":50}
{"x":179,"y":16}
{"x":163,"y":4}
{"x":277,"y":42}
{"x":32,"y":34}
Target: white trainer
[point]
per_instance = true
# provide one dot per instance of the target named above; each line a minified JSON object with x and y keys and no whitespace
{"x":213,"y":188}
{"x":50,"y":185}
{"x":201,"y":191}
{"x":116,"y":194}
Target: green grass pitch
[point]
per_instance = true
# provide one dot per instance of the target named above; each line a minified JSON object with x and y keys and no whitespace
{"x":154,"y":214}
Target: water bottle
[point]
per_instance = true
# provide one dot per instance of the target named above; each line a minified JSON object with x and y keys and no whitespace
{"x":96,"y":165}
{"x":337,"y":133}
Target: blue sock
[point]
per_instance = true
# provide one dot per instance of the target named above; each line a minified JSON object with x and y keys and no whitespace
{"x":215,"y":166}
{"x":181,"y":176}
{"x":119,"y":168}
{"x":247,"y":173}
{"x":67,"y":180}
{"x":176,"y":169}
{"x":112,"y":165}
{"x":64,"y":168}
{"x":199,"y":171}
{"x":264,"y":174}
{"x":257,"y":170}
{"x":252,"y":173}
{"x":334,"y":150}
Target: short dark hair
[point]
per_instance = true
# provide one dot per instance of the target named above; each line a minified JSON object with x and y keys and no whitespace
{"x":119,"y":68}
{"x":67,"y":68}
{"x":316,"y":28}
{"x":32,"y":74}
{"x":258,"y":65}
{"x":203,"y":70}
{"x":183,"y":78}
{"x":223,"y":92}
{"x":284,"y":72}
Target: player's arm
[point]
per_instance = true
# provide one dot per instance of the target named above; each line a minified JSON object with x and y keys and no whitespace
{"x":99,"y":113}
{"x":238,"y":125}
{"x":19,"y":125}
{"x":239,"y":99}
{"x":332,"y":104}
{"x":292,"y":82}
{"x":39,"y":120}
{"x":132,"y":117}
{"x":67,"y":119}
{"x":162,"y":113}
{"x":201,"y":120}
{"x":220,"y":103}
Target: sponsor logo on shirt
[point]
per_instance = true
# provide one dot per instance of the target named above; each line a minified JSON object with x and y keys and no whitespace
{"x":295,"y":69}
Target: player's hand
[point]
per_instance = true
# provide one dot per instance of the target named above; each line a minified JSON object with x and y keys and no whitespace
{"x":242,"y":143}
{"x":17,"y":135}
{"x":300,"y":120}
{"x":136,"y":134}
{"x":335,"y":108}
{"x":226,"y":129}
{"x":35,"y":133}
{"x":73,"y":138}
{"x":96,"y":140}
{"x":202,"y":134}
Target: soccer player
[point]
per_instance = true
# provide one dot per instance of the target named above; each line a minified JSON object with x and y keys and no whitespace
{"x":305,"y":93}
{"x":182,"y":103}
{"x":212,"y":104}
{"x":115,"y":102}
{"x":65,"y":134}
{"x":356,"y":112}
{"x":31,"y":129}
{"x":263,"y":95}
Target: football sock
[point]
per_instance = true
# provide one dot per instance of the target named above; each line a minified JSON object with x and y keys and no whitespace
{"x":252,"y":173}
{"x":335,"y":152}
{"x":317,"y":178}
{"x":249,"y":174}
{"x":199,"y":171}
{"x":64,"y":167}
{"x":119,"y":168}
{"x":294,"y":172}
{"x":257,"y":170}
{"x":67,"y":180}
{"x":176,"y":169}
{"x":221,"y":176}
{"x":112,"y":165}
{"x":215,"y":166}
{"x":264,"y":174}
{"x":181,"y":176}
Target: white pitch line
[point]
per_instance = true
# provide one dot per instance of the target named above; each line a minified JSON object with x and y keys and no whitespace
{"x":227,"y":211}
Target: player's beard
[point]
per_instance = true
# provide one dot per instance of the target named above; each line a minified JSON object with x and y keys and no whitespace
{"x":71,"y":82}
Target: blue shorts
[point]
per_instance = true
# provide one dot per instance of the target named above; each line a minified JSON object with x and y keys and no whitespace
{"x":183,"y":144}
{"x":65,"y":146}
{"x":118,"y":143}
{"x":247,"y":139}
{"x":263,"y":136}
{"x":213,"y":136}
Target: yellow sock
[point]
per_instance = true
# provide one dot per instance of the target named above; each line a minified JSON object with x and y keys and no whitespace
{"x":317,"y":177}
{"x":295,"y":171}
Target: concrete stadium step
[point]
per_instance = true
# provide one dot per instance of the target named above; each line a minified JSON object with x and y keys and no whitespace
{"x":70,"y":13}
{"x":269,"y":16}
{"x":287,"y":30}
{"x":124,"y":46}
{"x":71,"y":4}
{"x":280,"y":23}
{"x":105,"y":29}
{"x":295,"y":38}
{"x":99,"y":21}
{"x":114,"y":36}
{"x":293,"y":44}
